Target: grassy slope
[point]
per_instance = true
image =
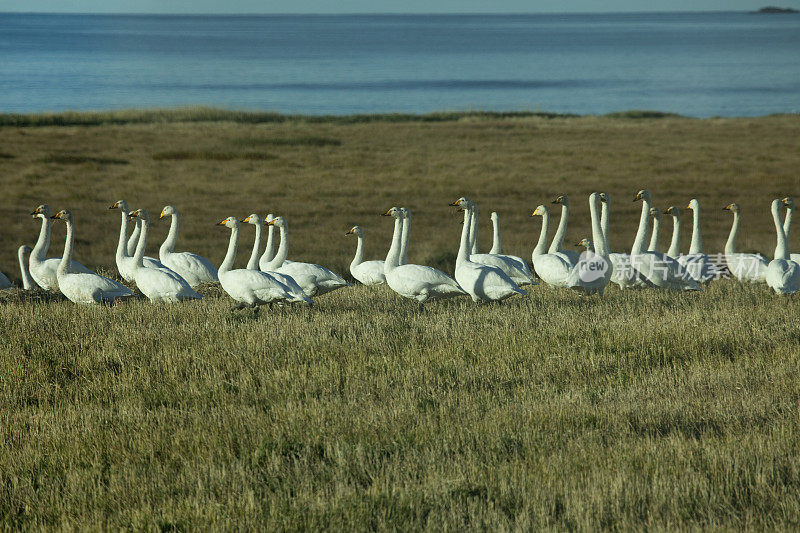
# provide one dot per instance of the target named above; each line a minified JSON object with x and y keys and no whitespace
{"x":636,"y":410}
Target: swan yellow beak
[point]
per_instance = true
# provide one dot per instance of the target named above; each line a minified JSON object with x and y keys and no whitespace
{"x":638,"y":196}
{"x":689,"y":206}
{"x":454,"y":204}
{"x":350,"y":232}
{"x":247,"y":219}
{"x":727,"y":207}
{"x":221,"y":222}
{"x":536,"y":212}
{"x":114,"y":206}
{"x":387,"y":213}
{"x":557,"y":200}
{"x":162,"y":215}
{"x":271,"y":222}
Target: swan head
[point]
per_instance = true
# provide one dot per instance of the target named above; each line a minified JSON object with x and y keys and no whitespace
{"x":462,"y":202}
{"x":644,"y":194}
{"x":43,"y":211}
{"x":406,"y":213}
{"x":494,"y":216}
{"x":167,"y":211}
{"x":395,"y":212}
{"x":122,"y":205}
{"x":655,"y":212}
{"x":539,"y":211}
{"x":269,"y":218}
{"x":253,"y":219}
{"x":694,"y":204}
{"x":788,"y":202}
{"x":587,"y":243}
{"x":24,"y":249}
{"x":140,"y":213}
{"x":230,"y":222}
{"x":777,"y":204}
{"x":604,"y":197}
{"x":674,"y":211}
{"x":278,"y":222}
{"x":563,"y":200}
{"x":734,"y":207}
{"x":355,"y":230}
{"x":64,"y":215}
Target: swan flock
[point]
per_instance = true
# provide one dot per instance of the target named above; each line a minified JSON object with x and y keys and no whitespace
{"x":270,"y":277}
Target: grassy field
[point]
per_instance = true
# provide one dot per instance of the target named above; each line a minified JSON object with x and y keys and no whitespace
{"x":641,"y":409}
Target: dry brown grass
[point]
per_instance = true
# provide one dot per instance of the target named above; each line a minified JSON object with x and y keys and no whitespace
{"x":325,"y":177}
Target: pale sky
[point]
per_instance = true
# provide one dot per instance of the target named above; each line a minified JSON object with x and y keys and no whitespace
{"x":381,"y":6}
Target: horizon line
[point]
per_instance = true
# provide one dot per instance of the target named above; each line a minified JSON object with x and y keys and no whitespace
{"x":385,"y":13}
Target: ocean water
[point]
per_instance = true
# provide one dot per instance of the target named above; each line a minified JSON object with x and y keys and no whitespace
{"x":697,"y":64}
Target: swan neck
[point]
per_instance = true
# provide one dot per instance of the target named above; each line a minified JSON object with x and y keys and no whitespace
{"x":696,"y":246}
{"x":393,"y":256}
{"x":404,"y":241}
{"x":130,"y":248}
{"x":172,"y":237}
{"x":122,"y":245}
{"x":604,"y":222}
{"x":641,"y":233}
{"x":558,"y":238}
{"x":653,"y":246}
{"x":597,"y":231}
{"x":542,"y":243}
{"x":252,"y":263}
{"x":43,"y":242}
{"x":463,"y":254}
{"x":359,"y":257}
{"x":675,"y":245}
{"x":230,"y":255}
{"x":497,"y":245}
{"x":27,"y":282}
{"x":138,"y":256}
{"x":283,"y":249}
{"x":787,"y":221}
{"x":473,"y":231}
{"x":66,"y":258}
{"x":268,"y":254}
{"x":781,"y":249}
{"x":730,"y":244}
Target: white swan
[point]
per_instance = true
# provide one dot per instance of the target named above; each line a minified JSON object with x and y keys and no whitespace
{"x":655,"y":213}
{"x":27,"y":281}
{"x":787,"y":224}
{"x":515,"y":267}
{"x":783,"y":274}
{"x":124,"y":259}
{"x":253,"y":263}
{"x":251,"y":288}
{"x":420,"y":283}
{"x":696,"y":263}
{"x":623,"y":272}
{"x":83,"y":287}
{"x":44,"y":271}
{"x":592,"y":273}
{"x":367,"y":272}
{"x":659,"y":269}
{"x":745,"y":267}
{"x":158,"y":283}
{"x":193,"y":268}
{"x":483,"y":283}
{"x":557,"y":246}
{"x":315,"y":280}
{"x":553,"y":269}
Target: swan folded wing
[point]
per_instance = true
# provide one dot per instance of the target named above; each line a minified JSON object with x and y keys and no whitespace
{"x":747,"y":267}
{"x":193,"y":268}
{"x":552,"y":268}
{"x":783,"y":276}
{"x":413,"y":280}
{"x":664,"y":271}
{"x":513,"y":266}
{"x":253,"y":286}
{"x":570,"y":256}
{"x":699,"y":266}
{"x":490,"y":283}
{"x":369,"y":272}
{"x":164,"y":284}
{"x":91,"y":288}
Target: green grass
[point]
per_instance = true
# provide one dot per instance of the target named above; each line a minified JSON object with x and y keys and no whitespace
{"x":640,"y":410}
{"x":185,"y":155}
{"x":80,"y":159}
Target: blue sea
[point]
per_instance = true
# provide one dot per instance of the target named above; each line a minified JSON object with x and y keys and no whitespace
{"x":696,"y":64}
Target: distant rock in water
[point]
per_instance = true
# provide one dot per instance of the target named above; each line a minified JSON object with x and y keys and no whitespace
{"x":773,"y":9}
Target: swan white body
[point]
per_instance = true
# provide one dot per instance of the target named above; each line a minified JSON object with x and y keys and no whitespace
{"x":315,"y":280}
{"x":44,"y":271}
{"x":417,"y":282}
{"x":124,"y":260}
{"x":744,"y":267}
{"x":696,"y":263}
{"x":514,"y":267}
{"x":193,"y":268}
{"x":366,"y":272}
{"x":557,"y":246}
{"x":159,"y":284}
{"x":253,"y":262}
{"x":592,"y":273}
{"x":659,"y":269}
{"x":27,"y":281}
{"x":83,"y":287}
{"x":251,"y":288}
{"x":483,"y":283}
{"x":783,"y":274}
{"x":554,"y":269}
